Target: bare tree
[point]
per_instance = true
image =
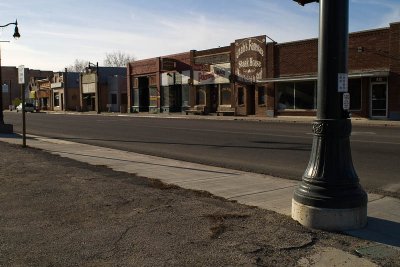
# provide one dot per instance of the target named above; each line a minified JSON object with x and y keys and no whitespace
{"x":78,"y":66}
{"x":117,"y":59}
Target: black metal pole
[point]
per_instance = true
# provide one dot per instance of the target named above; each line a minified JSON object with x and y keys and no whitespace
{"x":10,"y":92}
{"x":1,"y":94}
{"x":98,"y":89}
{"x":23,"y":117}
{"x":330,"y":188}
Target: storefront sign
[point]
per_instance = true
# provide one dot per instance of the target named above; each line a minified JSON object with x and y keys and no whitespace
{"x":249,"y":56}
{"x":89,"y":88}
{"x":218,"y":74}
{"x":212,"y":59}
{"x":168,"y":64}
{"x":56,"y":85}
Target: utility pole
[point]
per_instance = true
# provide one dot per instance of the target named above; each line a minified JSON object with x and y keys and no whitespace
{"x":330,"y":196}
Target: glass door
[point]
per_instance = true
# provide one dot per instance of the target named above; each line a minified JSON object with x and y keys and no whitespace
{"x":378,"y":100}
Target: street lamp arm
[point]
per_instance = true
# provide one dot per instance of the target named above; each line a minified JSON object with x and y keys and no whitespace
{"x":11,"y":23}
{"x":16,"y":32}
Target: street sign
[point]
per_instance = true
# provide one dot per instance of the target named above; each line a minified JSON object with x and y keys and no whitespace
{"x":346,"y":101}
{"x":21,"y":74}
{"x":4,"y":88}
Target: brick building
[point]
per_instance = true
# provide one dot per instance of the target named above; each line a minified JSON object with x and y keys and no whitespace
{"x":11,"y":86}
{"x":374,"y":86}
{"x":160,"y":84}
{"x":94,"y":88}
{"x":256,"y":77}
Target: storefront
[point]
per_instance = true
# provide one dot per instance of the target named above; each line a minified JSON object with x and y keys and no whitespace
{"x":160,"y":85}
{"x":256,"y":77}
{"x":250,"y":69}
{"x":95,"y":88}
{"x":212,"y":86}
{"x":43,"y":94}
{"x":65,"y":91}
{"x":89,"y":91}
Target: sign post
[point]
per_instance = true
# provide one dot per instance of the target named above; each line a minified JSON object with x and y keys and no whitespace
{"x":21,"y":81}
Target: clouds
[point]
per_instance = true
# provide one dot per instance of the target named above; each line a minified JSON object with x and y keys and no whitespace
{"x":54,"y":34}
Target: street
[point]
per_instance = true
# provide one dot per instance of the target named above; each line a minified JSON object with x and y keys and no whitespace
{"x":278,"y":149}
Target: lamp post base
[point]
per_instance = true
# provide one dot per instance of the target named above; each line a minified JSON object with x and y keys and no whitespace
{"x":329,"y":219}
{"x":6,"y":128}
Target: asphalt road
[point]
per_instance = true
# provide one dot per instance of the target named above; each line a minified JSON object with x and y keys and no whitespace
{"x":278,"y":149}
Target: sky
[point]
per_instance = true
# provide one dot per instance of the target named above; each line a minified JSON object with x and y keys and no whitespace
{"x":55,"y":33}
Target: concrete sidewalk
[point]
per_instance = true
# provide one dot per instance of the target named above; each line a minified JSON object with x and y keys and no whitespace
{"x":263,"y":191}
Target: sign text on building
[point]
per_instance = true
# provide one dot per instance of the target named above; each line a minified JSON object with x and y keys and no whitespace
{"x":249,"y":56}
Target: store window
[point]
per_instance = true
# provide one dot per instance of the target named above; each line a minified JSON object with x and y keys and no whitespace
{"x":305,"y":95}
{"x":201,"y":96}
{"x":56,"y":99}
{"x":355,"y":94}
{"x":285,"y":93}
{"x":113,"y":99}
{"x":261,"y":95}
{"x":226,"y":96}
{"x":296,"y":95}
{"x":240,"y":96}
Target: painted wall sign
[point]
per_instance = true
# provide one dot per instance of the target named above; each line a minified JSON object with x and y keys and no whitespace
{"x":218,"y":74}
{"x":213,"y":59}
{"x":168,"y":64}
{"x":249,"y":57}
{"x":89,"y":88}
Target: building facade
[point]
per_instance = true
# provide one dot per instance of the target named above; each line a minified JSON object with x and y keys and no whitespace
{"x":117,"y":95}
{"x":373,"y":80}
{"x":94,"y":89}
{"x":256,"y":77}
{"x":11,"y":88}
{"x":65,"y":91}
{"x":160,"y":84}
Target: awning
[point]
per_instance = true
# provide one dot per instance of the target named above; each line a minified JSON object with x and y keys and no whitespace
{"x":314,"y":77}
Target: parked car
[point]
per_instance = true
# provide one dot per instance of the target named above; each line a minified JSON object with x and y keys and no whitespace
{"x":29,"y":107}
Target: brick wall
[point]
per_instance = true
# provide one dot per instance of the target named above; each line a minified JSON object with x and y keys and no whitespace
{"x":10,"y":76}
{"x":369,"y":50}
{"x":297,"y":58}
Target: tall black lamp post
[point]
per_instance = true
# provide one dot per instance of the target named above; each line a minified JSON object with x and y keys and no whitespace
{"x":6,"y":128}
{"x":97,"y":100}
{"x":330,"y":196}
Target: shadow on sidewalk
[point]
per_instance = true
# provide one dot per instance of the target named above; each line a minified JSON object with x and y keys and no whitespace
{"x":381,"y":231}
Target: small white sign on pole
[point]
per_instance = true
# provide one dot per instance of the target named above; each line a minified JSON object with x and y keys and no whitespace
{"x":21,"y":74}
{"x":4,"y":88}
{"x":346,"y":101}
{"x":343,"y":82}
